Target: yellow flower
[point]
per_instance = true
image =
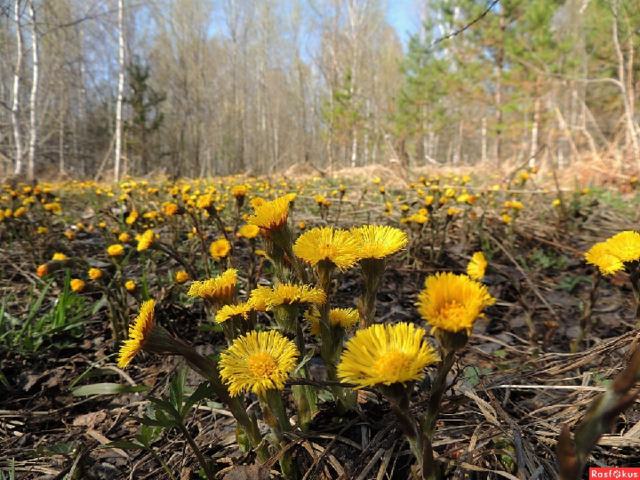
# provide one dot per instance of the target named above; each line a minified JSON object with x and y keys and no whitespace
{"x":257,"y":362}
{"x":477,"y":266}
{"x":124,"y":237}
{"x":138,"y":333}
{"x":95,"y":273}
{"x":506,"y":218}
{"x":77,"y":285}
{"x":205,"y":201}
{"x":386,"y":354}
{"x":219,"y":289}
{"x":249,"y":231}
{"x":145,"y":240}
{"x":130,"y":286}
{"x":229,"y":311}
{"x":326,"y":244}
{"x":115,"y":250}
{"x":257,"y":202}
{"x":133,"y":216}
{"x":181,"y":276}
{"x":59,"y":256}
{"x":338,"y":317}
{"x":453,"y":303}
{"x":239,"y":191}
{"x":43,"y":230}
{"x":170,"y":209}
{"x":286,"y":294}
{"x":54,"y":208}
{"x":600,"y":256}
{"x":625,"y":246}
{"x":43,"y":270}
{"x":220,"y":248}
{"x":271,"y":215}
{"x":376,"y":241}
{"x":302,"y":225}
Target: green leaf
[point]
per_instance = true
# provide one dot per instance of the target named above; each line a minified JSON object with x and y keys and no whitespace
{"x":107,"y":389}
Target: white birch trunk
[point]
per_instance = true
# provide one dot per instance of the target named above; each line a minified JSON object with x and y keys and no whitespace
{"x":15,"y":108}
{"x":33,"y":101}
{"x":118,"y":148}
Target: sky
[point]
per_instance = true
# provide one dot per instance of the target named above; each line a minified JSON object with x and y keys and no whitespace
{"x":403,"y":15}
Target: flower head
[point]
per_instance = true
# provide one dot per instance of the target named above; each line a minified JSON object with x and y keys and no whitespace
{"x":181,"y":276}
{"x":145,"y":240}
{"x":219,"y":289}
{"x":115,"y":250}
{"x":600,"y":256}
{"x":286,"y":294}
{"x":239,"y":191}
{"x":326,"y":244}
{"x":77,"y":285}
{"x":138,"y":332}
{"x":59,"y":256}
{"x":249,"y":231}
{"x":625,"y":246}
{"x":386,"y":354}
{"x":220,"y":248}
{"x":338,"y":317}
{"x":271,"y":215}
{"x":477,"y":266}
{"x":453,"y":303}
{"x":257,"y":362}
{"x":240,"y":310}
{"x":379,"y":242}
{"x":130,"y":285}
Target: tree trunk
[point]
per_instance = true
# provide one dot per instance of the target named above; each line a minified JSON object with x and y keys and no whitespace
{"x":624,"y":83}
{"x":33,"y":102}
{"x":499,"y":67}
{"x":118,"y":153}
{"x":15,"y":108}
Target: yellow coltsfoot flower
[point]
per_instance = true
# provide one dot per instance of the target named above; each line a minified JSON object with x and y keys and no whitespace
{"x":386,"y":354}
{"x":138,"y":334}
{"x":240,"y":310}
{"x":338,"y":317}
{"x":324,"y":244}
{"x":219,"y":289}
{"x":181,"y":276}
{"x":625,"y":245}
{"x":220,"y":248}
{"x":286,"y":294}
{"x":145,"y":240}
{"x":271,"y":215}
{"x":452,"y":303}
{"x":600,"y":256}
{"x":258,"y":362}
{"x":115,"y":250}
{"x":477,"y":266}
{"x":77,"y":285}
{"x":376,"y":241}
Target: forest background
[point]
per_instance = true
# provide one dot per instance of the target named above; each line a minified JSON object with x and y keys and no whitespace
{"x":105,"y":88}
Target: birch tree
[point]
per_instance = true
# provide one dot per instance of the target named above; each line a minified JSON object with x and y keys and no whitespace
{"x":15,"y":108}
{"x":118,"y":147}
{"x":33,"y":102}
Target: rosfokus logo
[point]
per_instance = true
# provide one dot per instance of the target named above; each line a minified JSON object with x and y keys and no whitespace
{"x":614,"y":473}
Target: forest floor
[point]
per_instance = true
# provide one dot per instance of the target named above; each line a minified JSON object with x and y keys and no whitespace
{"x":510,"y":392}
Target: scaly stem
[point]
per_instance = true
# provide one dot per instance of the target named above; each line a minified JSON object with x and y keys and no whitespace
{"x":437,"y":392}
